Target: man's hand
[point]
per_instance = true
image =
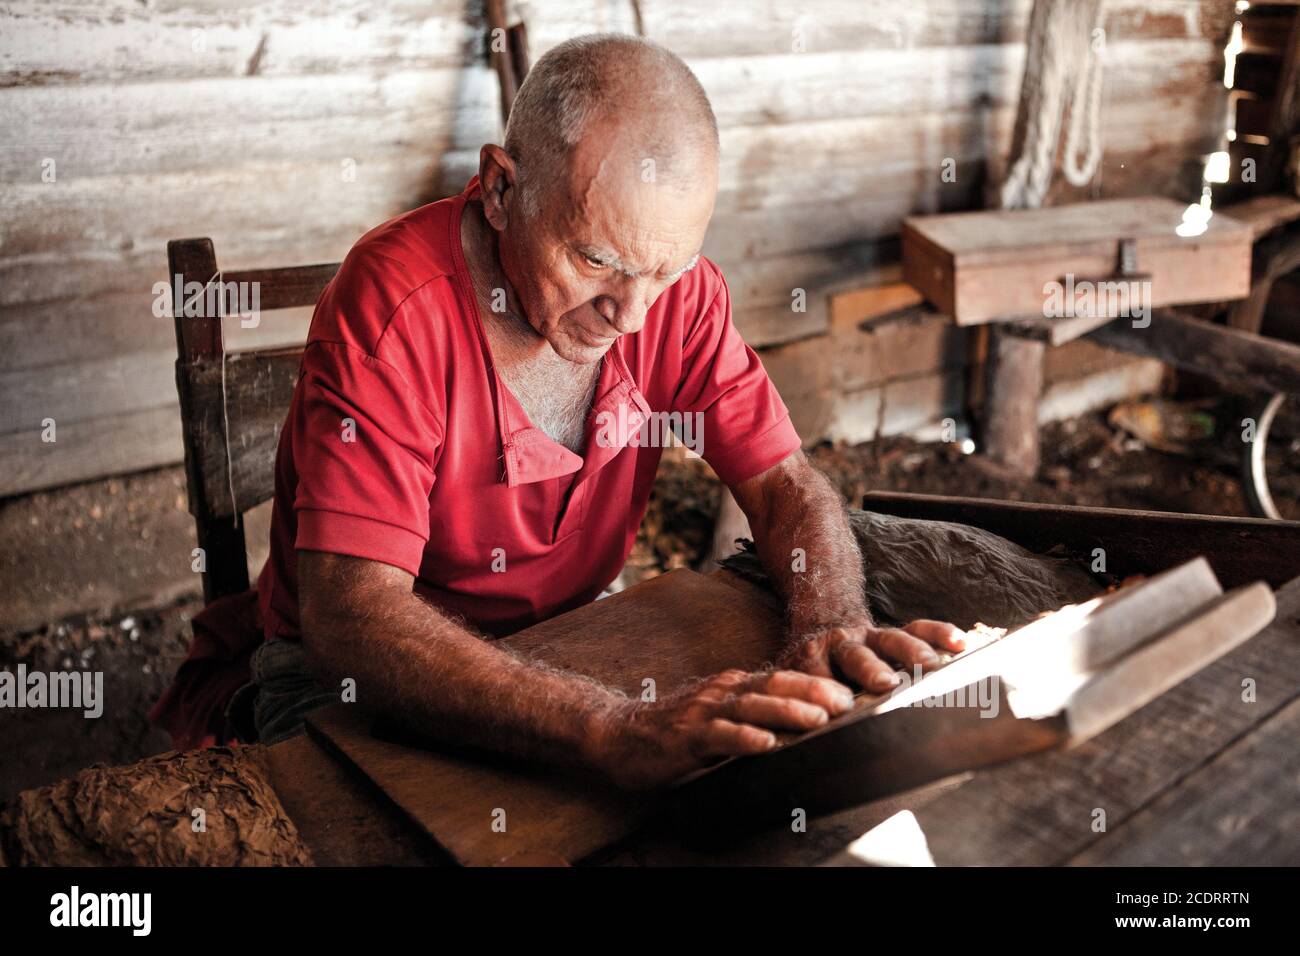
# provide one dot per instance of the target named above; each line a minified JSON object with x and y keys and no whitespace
{"x":861,"y":652}
{"x":808,"y":550}
{"x":730,"y":714}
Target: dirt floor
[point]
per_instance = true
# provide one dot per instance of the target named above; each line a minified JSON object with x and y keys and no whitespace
{"x":1086,"y":461}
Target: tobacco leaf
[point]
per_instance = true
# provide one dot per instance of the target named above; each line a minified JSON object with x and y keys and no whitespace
{"x":142,"y":814}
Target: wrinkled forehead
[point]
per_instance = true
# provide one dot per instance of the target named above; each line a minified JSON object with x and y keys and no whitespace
{"x":611,"y":189}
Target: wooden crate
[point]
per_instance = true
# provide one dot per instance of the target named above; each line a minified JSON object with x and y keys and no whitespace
{"x":983,"y":266}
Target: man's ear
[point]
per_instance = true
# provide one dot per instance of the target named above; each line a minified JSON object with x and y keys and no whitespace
{"x":496,"y":177}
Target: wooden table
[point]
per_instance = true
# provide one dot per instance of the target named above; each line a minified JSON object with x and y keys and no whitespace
{"x":1207,"y":773}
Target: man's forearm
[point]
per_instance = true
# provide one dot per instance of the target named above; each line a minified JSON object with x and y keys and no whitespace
{"x":803,"y":538}
{"x":426,"y":669}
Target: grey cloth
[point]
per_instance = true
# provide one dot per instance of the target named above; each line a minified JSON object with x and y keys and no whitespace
{"x":286,"y":691}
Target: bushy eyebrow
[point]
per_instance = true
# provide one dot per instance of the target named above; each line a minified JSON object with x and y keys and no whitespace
{"x":695,"y":260}
{"x":605,"y":258}
{"x":612,"y":261}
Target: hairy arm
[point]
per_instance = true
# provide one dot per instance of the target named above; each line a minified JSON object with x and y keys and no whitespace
{"x":803,"y":538}
{"x":361,"y":619}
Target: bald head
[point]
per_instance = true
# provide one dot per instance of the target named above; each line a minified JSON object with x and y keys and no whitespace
{"x":602,"y":195}
{"x":628,"y":99}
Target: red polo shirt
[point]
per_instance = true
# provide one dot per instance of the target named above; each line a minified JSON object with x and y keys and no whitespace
{"x":403,"y":445}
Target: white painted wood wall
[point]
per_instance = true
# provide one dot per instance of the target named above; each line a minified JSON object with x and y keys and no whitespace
{"x":237,"y":120}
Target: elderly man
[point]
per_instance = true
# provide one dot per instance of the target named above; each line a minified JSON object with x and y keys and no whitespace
{"x":440,"y":478}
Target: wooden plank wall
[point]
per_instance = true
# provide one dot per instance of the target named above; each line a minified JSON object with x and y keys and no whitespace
{"x":284,"y":129}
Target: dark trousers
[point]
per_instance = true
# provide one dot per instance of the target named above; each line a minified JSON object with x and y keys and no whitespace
{"x":282,"y":693}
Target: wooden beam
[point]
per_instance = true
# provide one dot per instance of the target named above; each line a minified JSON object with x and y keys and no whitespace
{"x":194,"y":261}
{"x":1013,"y":383}
{"x":1286,"y":115}
{"x":502,"y":56}
{"x":96,"y":448}
{"x":1240,"y":550}
{"x":1235,"y":359}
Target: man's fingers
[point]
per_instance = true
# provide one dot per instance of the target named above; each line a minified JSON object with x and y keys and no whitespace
{"x":828,"y":694}
{"x":725,"y":684}
{"x":898,"y":645}
{"x":939,"y":633}
{"x":778,"y":713}
{"x":732,"y":679}
{"x":725,"y":738}
{"x":862,"y":665}
{"x":810,"y":657}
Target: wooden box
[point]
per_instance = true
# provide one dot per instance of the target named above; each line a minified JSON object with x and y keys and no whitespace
{"x":993,"y":265}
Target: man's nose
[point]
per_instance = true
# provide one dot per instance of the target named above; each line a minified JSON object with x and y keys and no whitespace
{"x":626,"y":308}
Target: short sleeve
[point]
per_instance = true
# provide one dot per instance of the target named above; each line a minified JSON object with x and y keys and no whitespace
{"x":363,"y":447}
{"x":747,"y":428}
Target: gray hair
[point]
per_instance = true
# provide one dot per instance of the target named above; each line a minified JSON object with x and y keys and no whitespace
{"x":572,"y":83}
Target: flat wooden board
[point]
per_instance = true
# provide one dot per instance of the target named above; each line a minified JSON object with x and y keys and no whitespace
{"x":1264,"y":213}
{"x":1242,"y":808}
{"x":1180,"y":652}
{"x":994,"y":235}
{"x":857,"y":758}
{"x":1057,"y":331}
{"x":670,"y":629}
{"x":338,"y":814}
{"x":486,"y":810}
{"x":996,"y":265}
{"x":1042,"y":812}
{"x":1055,"y":680}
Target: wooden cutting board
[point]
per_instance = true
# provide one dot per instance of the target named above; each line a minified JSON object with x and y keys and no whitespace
{"x":670,"y":629}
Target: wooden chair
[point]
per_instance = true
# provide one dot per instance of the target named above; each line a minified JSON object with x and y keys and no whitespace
{"x":233,"y":404}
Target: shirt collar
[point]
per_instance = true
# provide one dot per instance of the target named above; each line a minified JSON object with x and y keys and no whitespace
{"x":618,"y":412}
{"x":527,"y":453}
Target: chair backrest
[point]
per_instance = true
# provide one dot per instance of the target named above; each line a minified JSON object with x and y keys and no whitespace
{"x":232,"y":404}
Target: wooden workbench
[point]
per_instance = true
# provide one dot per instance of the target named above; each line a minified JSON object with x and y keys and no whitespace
{"x":1204,"y":774}
{"x":1198,"y":776}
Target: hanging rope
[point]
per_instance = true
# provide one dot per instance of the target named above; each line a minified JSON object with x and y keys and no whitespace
{"x":1085,"y":118}
{"x":1063,"y":69}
